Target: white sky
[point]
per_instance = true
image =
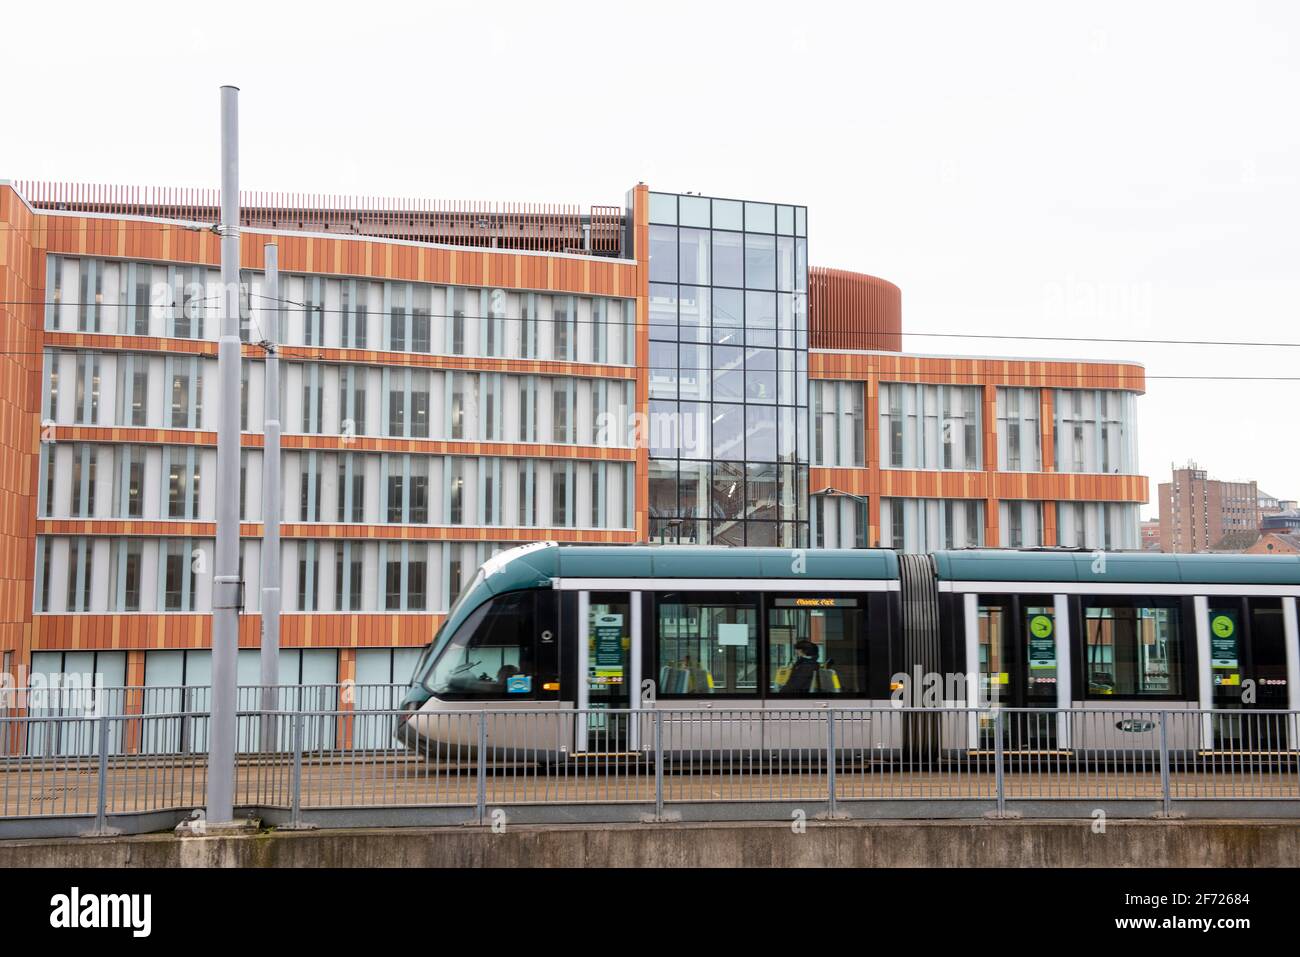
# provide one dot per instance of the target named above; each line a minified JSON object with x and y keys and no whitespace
{"x":1108,"y":169}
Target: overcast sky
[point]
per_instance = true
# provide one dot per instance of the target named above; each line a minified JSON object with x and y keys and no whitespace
{"x":1103,"y":169}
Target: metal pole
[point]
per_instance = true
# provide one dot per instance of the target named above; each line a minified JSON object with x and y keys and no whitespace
{"x":997,"y":757}
{"x":270,"y":677}
{"x":659,"y":765}
{"x":295,"y":808}
{"x":101,"y":796}
{"x":830,"y":762}
{"x":481,"y":800}
{"x":225,"y":582}
{"x":1166,"y":804}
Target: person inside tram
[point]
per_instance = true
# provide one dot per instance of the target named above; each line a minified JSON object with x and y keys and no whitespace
{"x":803,"y":670}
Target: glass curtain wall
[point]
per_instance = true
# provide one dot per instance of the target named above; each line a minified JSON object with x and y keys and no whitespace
{"x":728,"y":427}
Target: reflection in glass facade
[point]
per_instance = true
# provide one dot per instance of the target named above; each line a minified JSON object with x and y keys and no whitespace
{"x":728,"y":372}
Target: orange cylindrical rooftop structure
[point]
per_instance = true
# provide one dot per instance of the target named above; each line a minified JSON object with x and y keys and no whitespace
{"x":851,"y":310}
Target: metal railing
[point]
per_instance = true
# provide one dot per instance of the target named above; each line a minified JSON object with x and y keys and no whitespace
{"x":331,"y":756}
{"x":537,"y":227}
{"x":168,"y":718}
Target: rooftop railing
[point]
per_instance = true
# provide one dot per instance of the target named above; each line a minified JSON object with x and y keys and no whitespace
{"x":527,"y":227}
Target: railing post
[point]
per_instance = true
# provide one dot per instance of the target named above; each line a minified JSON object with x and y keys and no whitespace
{"x":830,"y":762}
{"x":1165,"y":797}
{"x":659,"y":764}
{"x":101,"y":799}
{"x":185,"y":744}
{"x":482,"y":767}
{"x":997,"y":758}
{"x":269,"y":729}
{"x":295,"y":811}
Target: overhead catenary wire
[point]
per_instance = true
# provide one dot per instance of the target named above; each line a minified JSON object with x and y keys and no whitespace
{"x":469,"y":363}
{"x":200,"y":227}
{"x":1253,"y":343}
{"x":298,"y":353}
{"x":947,"y":377}
{"x":865,"y":334}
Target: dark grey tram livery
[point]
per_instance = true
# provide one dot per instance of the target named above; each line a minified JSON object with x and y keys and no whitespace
{"x":572,"y":630}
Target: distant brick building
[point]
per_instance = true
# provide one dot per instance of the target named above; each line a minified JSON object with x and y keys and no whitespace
{"x":1276,"y":543}
{"x":1201,"y":514}
{"x":1150,"y":531}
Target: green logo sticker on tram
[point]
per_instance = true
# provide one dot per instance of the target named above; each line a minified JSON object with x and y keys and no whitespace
{"x":1223,"y":641}
{"x":1042,"y":646}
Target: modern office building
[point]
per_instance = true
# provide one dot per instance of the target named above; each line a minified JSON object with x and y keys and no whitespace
{"x":1201,"y":514}
{"x":459,"y":379}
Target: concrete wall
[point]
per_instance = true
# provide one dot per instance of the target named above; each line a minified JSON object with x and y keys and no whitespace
{"x":851,"y":844}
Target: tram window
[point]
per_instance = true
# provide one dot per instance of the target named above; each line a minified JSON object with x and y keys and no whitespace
{"x":994,"y":671}
{"x":1268,"y":649}
{"x":494,"y":645}
{"x":706,"y":646}
{"x":1132,"y":650}
{"x":836,"y":626}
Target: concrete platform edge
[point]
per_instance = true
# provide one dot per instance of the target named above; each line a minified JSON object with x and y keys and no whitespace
{"x":953,"y":843}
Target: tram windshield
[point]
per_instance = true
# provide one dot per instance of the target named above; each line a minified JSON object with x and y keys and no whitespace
{"x":465,"y":592}
{"x":492,"y":646}
{"x":422,"y":665}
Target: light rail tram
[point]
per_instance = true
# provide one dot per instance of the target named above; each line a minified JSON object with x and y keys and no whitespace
{"x":563,"y":632}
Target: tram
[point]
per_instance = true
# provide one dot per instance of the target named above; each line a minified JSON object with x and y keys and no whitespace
{"x":765,"y":636}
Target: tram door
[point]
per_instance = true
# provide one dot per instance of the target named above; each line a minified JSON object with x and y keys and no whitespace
{"x":1018,"y":669}
{"x":1248,"y":673}
{"x":608,"y":672}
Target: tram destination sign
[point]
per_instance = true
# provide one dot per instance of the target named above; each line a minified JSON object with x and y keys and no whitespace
{"x":817,"y":602}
